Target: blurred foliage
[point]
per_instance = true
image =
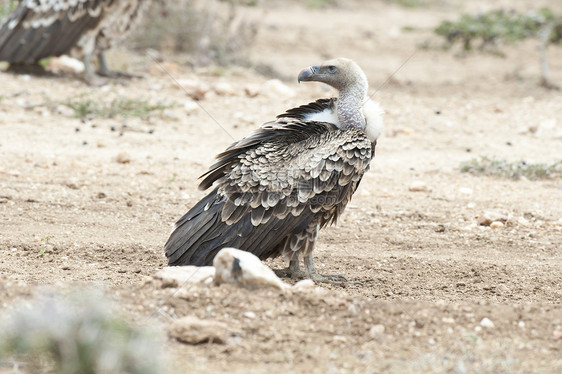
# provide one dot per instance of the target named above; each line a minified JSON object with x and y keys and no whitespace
{"x":512,"y":170}
{"x":119,"y":107}
{"x":76,"y":334}
{"x":211,"y":31}
{"x":500,"y":25}
{"x":316,"y":4}
{"x":6,"y":7}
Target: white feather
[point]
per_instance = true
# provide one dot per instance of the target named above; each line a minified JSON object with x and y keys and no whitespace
{"x":326,"y":115}
{"x":373,"y":112}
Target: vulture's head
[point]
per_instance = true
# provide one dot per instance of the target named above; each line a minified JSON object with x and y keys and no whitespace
{"x":340,"y":73}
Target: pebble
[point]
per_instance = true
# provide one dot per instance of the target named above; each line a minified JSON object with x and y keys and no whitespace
{"x":65,"y":64}
{"x":491,"y":216}
{"x":123,"y":158}
{"x":304,"y":284}
{"x":276,"y":88}
{"x":376,"y":331}
{"x":245,"y":270}
{"x":175,"y":276}
{"x":224,"y":88}
{"x":466,"y":191}
{"x":252,"y":90}
{"x":419,"y":186}
{"x":197,"y":90}
{"x":190,"y":106}
{"x":486,"y":322}
{"x":192,"y":330}
{"x":496,"y":225}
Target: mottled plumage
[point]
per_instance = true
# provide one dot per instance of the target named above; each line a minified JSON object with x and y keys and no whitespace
{"x":276,"y":188}
{"x":83,"y":28}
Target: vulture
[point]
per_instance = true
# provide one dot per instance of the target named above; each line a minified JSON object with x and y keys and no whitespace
{"x":83,"y":28}
{"x":275,"y":189}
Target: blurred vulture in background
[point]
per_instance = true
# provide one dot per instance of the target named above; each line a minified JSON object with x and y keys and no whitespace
{"x":275,"y":189}
{"x":82,"y":28}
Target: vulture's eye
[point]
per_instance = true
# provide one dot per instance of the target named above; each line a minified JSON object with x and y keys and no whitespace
{"x":331,"y":69}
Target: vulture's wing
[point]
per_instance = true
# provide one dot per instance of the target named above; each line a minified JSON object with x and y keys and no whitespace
{"x":271,"y":185}
{"x":39,"y":29}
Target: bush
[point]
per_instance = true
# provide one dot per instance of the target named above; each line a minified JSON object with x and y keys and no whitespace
{"x":77,"y":334}
{"x":212,"y":31}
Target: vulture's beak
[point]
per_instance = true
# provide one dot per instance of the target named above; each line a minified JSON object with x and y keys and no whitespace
{"x":308,"y":74}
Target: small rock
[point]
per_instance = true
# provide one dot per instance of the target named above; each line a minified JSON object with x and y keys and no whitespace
{"x":65,"y":64}
{"x":490,"y":216}
{"x":276,"y":88}
{"x":192,"y":330}
{"x":250,"y":315}
{"x":65,"y":110}
{"x":376,"y":331}
{"x":224,"y":88}
{"x":252,"y":90}
{"x":304,"y":284}
{"x":466,"y":191}
{"x":419,"y":186}
{"x":557,"y":334}
{"x":190,"y":107}
{"x":123,"y":158}
{"x":496,"y":225}
{"x":448,"y":320}
{"x":197,"y":90}
{"x":244,"y":269}
{"x":486,"y":322}
{"x":523,"y":221}
{"x":175,"y":276}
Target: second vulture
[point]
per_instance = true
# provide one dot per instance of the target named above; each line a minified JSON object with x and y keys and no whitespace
{"x":84,"y":28}
{"x":275,"y":189}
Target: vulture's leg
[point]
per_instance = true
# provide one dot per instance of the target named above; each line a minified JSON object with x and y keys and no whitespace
{"x":104,"y":71}
{"x":324,"y":278}
{"x":294,"y":270}
{"x":89,"y":76}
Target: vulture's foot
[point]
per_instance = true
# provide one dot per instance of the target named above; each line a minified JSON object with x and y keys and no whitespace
{"x":326,"y":278}
{"x":104,"y":71}
{"x":114,"y":74}
{"x":95,"y":80}
{"x":331,"y":278}
{"x":293,"y":271}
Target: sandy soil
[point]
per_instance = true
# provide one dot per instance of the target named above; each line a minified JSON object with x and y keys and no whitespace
{"x":92,"y":201}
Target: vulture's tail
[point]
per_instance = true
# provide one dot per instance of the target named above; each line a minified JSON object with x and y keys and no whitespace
{"x":201,"y":233}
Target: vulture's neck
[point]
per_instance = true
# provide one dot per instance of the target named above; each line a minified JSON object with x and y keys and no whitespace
{"x":349,"y":105}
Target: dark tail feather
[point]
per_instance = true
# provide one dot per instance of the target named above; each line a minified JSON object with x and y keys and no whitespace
{"x":201,"y":233}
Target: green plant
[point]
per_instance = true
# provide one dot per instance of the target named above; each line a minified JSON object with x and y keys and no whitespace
{"x":120,"y":107}
{"x":45,"y":240}
{"x":512,"y":170}
{"x":491,"y":28}
{"x":6,"y":7}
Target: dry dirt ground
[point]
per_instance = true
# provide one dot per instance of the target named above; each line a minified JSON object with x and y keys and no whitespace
{"x":91,"y":201}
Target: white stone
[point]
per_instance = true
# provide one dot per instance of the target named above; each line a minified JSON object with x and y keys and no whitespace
{"x":304,"y":284}
{"x":466,"y":191}
{"x":376,"y":331}
{"x":174,"y":276}
{"x":190,"y":106}
{"x":65,"y":64}
{"x":276,"y":88}
{"x":224,"y":88}
{"x":490,"y":216}
{"x":497,"y":225}
{"x":486,"y":322}
{"x":419,"y":186}
{"x":244,"y":269}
